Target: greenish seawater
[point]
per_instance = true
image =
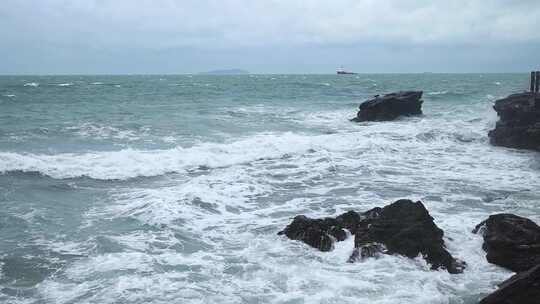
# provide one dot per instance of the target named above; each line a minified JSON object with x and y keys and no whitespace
{"x":171,"y":189}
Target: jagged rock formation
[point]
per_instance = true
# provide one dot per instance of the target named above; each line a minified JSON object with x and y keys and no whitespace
{"x":519,"y":123}
{"x":403,"y":227}
{"x":322,"y":233}
{"x":406,"y":228}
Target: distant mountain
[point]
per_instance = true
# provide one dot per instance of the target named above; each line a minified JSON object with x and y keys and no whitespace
{"x":226,"y":72}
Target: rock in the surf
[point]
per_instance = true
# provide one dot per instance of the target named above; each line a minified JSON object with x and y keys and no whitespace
{"x":510,"y":241}
{"x":406,"y":228}
{"x":403,"y":227}
{"x":322,"y":233}
{"x":519,"y":122}
{"x":390,"y":106}
{"x":522,"y":288}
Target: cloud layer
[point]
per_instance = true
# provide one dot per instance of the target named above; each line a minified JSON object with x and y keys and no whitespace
{"x":229,"y":24}
{"x":169,"y":23}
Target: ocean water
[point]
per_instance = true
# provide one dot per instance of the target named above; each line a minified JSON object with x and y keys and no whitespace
{"x":171,"y":189}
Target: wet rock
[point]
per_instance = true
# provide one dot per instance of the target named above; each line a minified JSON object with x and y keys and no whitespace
{"x":406,"y":228}
{"x":522,"y":288}
{"x":318,"y":233}
{"x":510,"y":241}
{"x":369,"y":250}
{"x":519,"y":122}
{"x":390,"y":106}
{"x":322,"y":233}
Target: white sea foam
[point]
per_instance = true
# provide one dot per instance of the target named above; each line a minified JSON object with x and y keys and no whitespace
{"x":101,"y":131}
{"x":437,"y":93}
{"x":129,"y":163}
{"x":31,"y":84}
{"x":67,"y":84}
{"x":246,"y":263}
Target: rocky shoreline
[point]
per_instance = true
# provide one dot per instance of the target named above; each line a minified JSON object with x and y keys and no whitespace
{"x":406,"y":228}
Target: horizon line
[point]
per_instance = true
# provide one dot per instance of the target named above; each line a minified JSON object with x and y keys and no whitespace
{"x":248,"y":73}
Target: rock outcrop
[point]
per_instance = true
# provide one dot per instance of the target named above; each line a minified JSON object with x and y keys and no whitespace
{"x":406,"y":228}
{"x":390,"y":106}
{"x":510,"y":241}
{"x":403,"y":227}
{"x":522,"y":288}
{"x":519,"y":122}
{"x":322,"y":233}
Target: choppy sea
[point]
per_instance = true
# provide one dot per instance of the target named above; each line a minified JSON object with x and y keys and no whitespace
{"x":171,"y":189}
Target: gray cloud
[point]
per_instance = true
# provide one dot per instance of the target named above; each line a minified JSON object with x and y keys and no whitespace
{"x":100,"y":28}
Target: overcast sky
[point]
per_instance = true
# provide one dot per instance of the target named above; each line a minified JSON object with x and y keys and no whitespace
{"x":274,"y":36}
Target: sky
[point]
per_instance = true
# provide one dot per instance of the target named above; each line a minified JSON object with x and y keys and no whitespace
{"x":268,"y":36}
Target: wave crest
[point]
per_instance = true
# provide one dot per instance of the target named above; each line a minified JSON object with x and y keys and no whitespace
{"x":130,"y":163}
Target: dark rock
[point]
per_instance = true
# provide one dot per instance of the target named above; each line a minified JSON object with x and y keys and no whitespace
{"x":322,"y":233}
{"x":519,"y":123}
{"x":406,"y":228}
{"x":390,"y":106}
{"x":318,"y":233}
{"x":510,"y":241}
{"x":368,"y":250}
{"x":522,"y":288}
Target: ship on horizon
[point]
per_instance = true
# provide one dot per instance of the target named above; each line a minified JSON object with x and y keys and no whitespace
{"x":342,"y":71}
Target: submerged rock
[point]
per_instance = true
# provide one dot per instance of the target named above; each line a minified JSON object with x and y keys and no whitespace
{"x":390,"y":106}
{"x":406,"y":228}
{"x":510,"y":241}
{"x":519,"y":123}
{"x":522,"y":288}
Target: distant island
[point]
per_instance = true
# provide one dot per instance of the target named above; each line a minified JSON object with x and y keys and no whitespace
{"x":226,"y":72}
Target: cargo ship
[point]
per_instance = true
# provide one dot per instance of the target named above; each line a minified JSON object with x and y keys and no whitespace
{"x":342,"y":71}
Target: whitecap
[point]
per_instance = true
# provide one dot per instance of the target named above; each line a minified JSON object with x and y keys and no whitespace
{"x":437,"y":93}
{"x":100,"y":131}
{"x":31,"y":84}
{"x":67,"y":84}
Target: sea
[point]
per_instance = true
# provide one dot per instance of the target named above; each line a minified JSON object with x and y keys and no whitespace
{"x":172,"y":188}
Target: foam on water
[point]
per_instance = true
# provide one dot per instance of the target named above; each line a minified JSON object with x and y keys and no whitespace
{"x":100,"y":131}
{"x":228,"y":209}
{"x":130,"y":163}
{"x":198,"y":223}
{"x":437,"y":93}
